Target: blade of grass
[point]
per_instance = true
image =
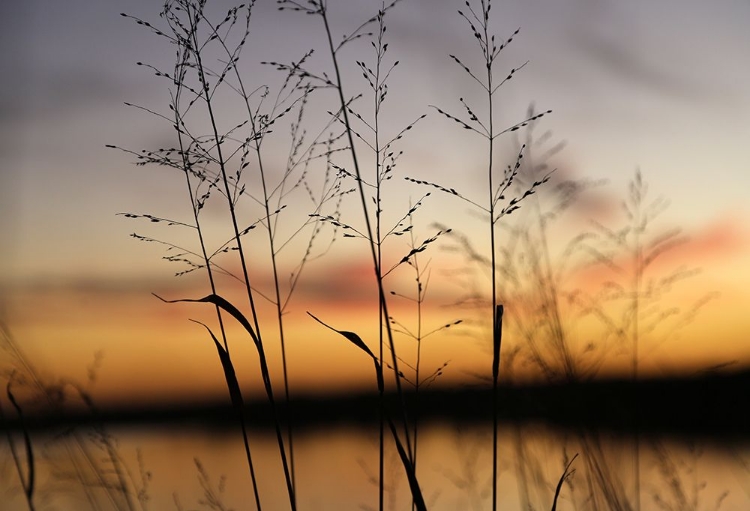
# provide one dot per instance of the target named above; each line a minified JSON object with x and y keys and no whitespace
{"x":358,"y":342}
{"x":28,"y":481}
{"x":416,"y":492}
{"x":265,"y":373}
{"x":236,"y":396}
{"x":566,"y":473}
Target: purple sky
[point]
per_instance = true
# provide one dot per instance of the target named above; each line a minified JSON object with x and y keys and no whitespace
{"x":660,"y":86}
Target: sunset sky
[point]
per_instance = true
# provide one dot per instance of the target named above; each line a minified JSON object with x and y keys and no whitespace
{"x":660,"y":87}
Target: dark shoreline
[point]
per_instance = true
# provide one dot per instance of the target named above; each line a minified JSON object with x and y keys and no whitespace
{"x":713,"y":407}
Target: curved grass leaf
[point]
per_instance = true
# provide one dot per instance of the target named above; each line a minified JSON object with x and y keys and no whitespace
{"x":229,"y":374}
{"x":224,"y":304}
{"x":497,"y":341}
{"x":236,"y":314}
{"x":28,"y":482}
{"x":351,"y":336}
{"x":566,"y":473}
{"x":358,"y":342}
{"x":416,"y":493}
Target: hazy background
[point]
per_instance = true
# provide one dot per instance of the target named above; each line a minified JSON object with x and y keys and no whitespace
{"x":660,"y":86}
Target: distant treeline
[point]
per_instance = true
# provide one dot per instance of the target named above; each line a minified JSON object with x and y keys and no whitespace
{"x":712,"y":406}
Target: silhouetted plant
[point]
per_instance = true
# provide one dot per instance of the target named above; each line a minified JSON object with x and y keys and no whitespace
{"x":497,"y":205}
{"x":84,"y":462}
{"x":215,"y":163}
{"x":374,"y":231}
{"x":418,"y":380}
{"x":683,"y":485}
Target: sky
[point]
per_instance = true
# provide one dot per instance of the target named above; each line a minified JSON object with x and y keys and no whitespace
{"x":659,"y":87}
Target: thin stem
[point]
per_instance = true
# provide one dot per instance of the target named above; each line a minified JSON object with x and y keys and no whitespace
{"x":418,"y":337}
{"x":261,"y":352}
{"x":548,"y":287}
{"x":637,"y":278}
{"x":274,"y":266}
{"x":209,"y":271}
{"x":495,"y":314}
{"x":372,"y":242}
{"x":378,"y":211}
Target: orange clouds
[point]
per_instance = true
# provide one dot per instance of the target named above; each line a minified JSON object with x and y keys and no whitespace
{"x":725,"y":237}
{"x":151,"y":349}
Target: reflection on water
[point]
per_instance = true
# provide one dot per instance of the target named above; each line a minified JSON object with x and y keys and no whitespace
{"x":337,"y":468}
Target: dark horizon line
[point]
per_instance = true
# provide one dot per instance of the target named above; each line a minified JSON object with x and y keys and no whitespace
{"x":710,"y":406}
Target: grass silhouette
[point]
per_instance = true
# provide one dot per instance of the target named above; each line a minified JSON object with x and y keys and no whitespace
{"x":84,"y":457}
{"x":224,"y":166}
{"x":185,"y":19}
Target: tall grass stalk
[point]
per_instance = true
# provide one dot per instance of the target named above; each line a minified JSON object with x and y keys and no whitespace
{"x":479,"y":22}
{"x":637,"y":193}
{"x":194,"y":15}
{"x":549,"y":329}
{"x":374,"y":232}
{"x":375,"y":241}
{"x":198,"y":154}
{"x":185,"y":38}
{"x":641,"y":289}
{"x":535,"y":285}
{"x":192,"y":32}
{"x":418,"y":334}
{"x":180,"y":76}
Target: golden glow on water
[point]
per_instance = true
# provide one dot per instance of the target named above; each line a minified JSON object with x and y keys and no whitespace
{"x":337,"y":469}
